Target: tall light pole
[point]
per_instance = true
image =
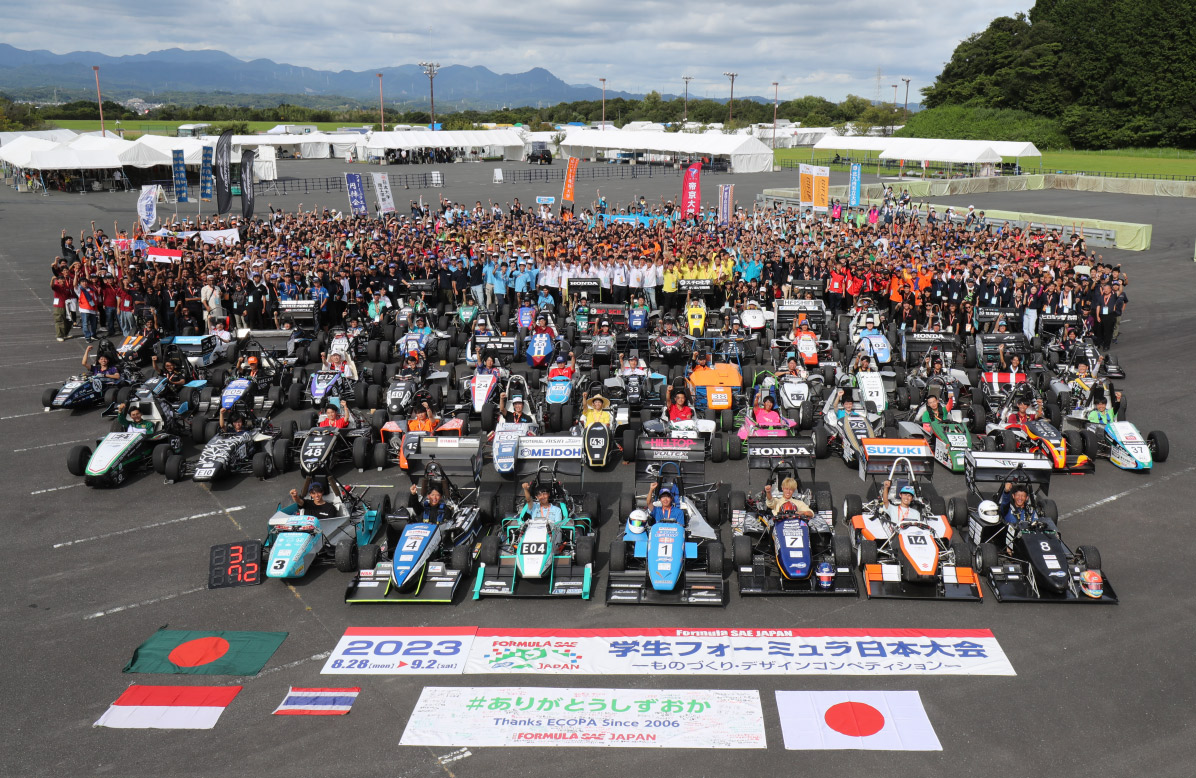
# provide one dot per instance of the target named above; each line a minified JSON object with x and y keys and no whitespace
{"x":381,"y":112}
{"x":603,"y":80}
{"x":893,"y":117}
{"x":685,"y":116}
{"x":905,"y":111}
{"x":99,"y":100}
{"x":776,"y":91}
{"x":430,"y":69}
{"x":731,"y":104}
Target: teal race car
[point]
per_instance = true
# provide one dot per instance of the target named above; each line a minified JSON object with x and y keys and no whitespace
{"x":531,"y":556}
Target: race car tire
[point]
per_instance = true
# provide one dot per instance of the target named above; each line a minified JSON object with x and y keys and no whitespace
{"x":275,"y":395}
{"x":853,"y":506}
{"x":345,"y":556}
{"x":49,"y":395}
{"x":1050,"y":509}
{"x":726,"y":420}
{"x":198,"y":429}
{"x":299,"y":376}
{"x":866,"y":553}
{"x":989,"y":443}
{"x":915,"y":396}
{"x":188,"y":331}
{"x":367,"y":556}
{"x":583,"y":550}
{"x":489,"y":417}
{"x":374,"y":398}
{"x":313,"y":420}
{"x":388,"y":332}
{"x":442,"y":319}
{"x":1159,"y":445}
{"x":386,"y":352}
{"x":937,"y":506}
{"x":1074,"y":442}
{"x":210,"y":430}
{"x":985,"y":557}
{"x":506,"y":508}
{"x":978,"y":418}
{"x":380,"y":454}
{"x":843,"y":340}
{"x":263,"y":465}
{"x":280,"y":452}
{"x":969,"y":357}
{"x":109,"y":396}
{"x":371,"y":350}
{"x":378,"y":373}
{"x":123,"y":394}
{"x":957,"y":512}
{"x":899,"y":374}
{"x":591,"y":507}
{"x":1090,"y":442}
{"x":489,"y":553}
{"x":603,"y":372}
{"x":903,"y":398}
{"x":378,"y":420}
{"x":718,"y":448}
{"x":714,"y":558}
{"x":963,"y":558}
{"x":1055,"y":413}
{"x":805,"y":415}
{"x":1008,"y":441}
{"x":821,"y":444}
{"x":77,"y":459}
{"x":451,"y":398}
{"x":287,"y":430}
{"x":161,"y":453}
{"x":734,"y":448}
{"x":1090,"y":556}
{"x":828,"y":374}
{"x":1122,"y":408}
{"x":218,"y":378}
{"x":714,"y":510}
{"x":394,"y":532}
{"x":442,"y":350}
{"x":361,"y":395}
{"x":738,"y":500}
{"x":842,"y":547}
{"x":295,"y":396}
{"x":174,"y":469}
{"x":974,"y":377}
{"x":552,"y":418}
{"x":629,"y":442}
{"x":460,"y":558}
{"x":823,"y":501}
{"x":361,"y":454}
{"x":741,"y":551}
{"x":454,"y":354}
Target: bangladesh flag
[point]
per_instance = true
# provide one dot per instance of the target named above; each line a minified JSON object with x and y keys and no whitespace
{"x":205,"y":653}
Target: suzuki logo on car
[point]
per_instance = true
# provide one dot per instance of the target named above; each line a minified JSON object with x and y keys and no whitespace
{"x":895,"y":451}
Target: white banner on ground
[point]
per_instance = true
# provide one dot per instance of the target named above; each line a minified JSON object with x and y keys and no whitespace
{"x":401,"y":651}
{"x":869,"y":721}
{"x":552,"y":716}
{"x":382,"y":193}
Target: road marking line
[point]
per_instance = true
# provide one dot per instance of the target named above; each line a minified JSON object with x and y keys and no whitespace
{"x":50,"y":445}
{"x":39,"y":361}
{"x":35,"y":413}
{"x":289,"y":665}
{"x":57,"y":488}
{"x":29,"y":386}
{"x":147,"y":526}
{"x":121,"y":608}
{"x":453,"y":756}
{"x":1119,"y":495}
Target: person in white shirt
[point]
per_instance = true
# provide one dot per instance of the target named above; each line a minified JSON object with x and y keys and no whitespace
{"x":602,"y":267}
{"x":619,"y":279}
{"x":635,"y":279}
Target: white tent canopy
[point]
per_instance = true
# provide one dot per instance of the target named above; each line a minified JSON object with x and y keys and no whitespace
{"x":17,"y":152}
{"x":151,"y":150}
{"x":54,"y":136}
{"x":951,"y":151}
{"x":265,"y":166}
{"x":746,"y":154}
{"x":508,"y":140}
{"x":928,"y":148}
{"x":63,"y":157}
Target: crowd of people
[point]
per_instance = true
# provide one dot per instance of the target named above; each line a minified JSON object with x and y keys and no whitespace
{"x":927,"y":269}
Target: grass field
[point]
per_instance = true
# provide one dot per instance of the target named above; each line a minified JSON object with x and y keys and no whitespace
{"x":1153,"y":162}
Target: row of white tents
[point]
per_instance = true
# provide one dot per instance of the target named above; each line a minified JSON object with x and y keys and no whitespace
{"x":955,"y":152}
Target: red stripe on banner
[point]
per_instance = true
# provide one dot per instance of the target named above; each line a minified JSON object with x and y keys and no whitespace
{"x":410,"y":631}
{"x":736,"y":632}
{"x":187,"y":696}
{"x":157,"y":252}
{"x":353,"y":689}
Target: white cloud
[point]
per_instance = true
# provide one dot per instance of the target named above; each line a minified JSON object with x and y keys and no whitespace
{"x":810,"y":46}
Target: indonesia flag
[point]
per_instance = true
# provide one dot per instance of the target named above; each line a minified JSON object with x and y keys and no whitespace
{"x":168,"y":707}
{"x":301,"y":701}
{"x":871,"y":721}
{"x":155,"y":254}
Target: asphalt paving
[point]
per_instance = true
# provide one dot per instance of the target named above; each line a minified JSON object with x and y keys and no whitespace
{"x":93,"y":573}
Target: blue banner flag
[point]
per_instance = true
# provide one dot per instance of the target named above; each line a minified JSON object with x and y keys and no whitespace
{"x":853,"y":187}
{"x":180,"y":177}
{"x":205,"y":175}
{"x":356,"y":194}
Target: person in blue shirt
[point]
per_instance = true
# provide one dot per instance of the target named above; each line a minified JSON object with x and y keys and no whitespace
{"x":287,"y":290}
{"x":541,"y":507}
{"x":667,"y":510}
{"x":544,"y":299}
{"x":320,"y":295}
{"x":1015,"y":505}
{"x":500,"y":279}
{"x":870,"y":328}
{"x":420,"y":326}
{"x":749,"y":270}
{"x":525,"y":279}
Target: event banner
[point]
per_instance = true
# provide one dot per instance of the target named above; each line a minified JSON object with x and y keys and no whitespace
{"x":726,"y":196}
{"x":570,"y":181}
{"x":853,"y":186}
{"x":691,"y":191}
{"x":222,"y":175}
{"x":805,"y":187}
{"x":205,"y":175}
{"x":356,"y":188}
{"x":669,"y":652}
{"x":179,"y":169}
{"x":642,"y":220}
{"x":247,"y":157}
{"x":213,"y":237}
{"x":147,"y":206}
{"x":382,"y":193}
{"x":822,"y":188}
{"x":553,"y":716}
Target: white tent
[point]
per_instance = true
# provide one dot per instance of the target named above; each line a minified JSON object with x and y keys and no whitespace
{"x":150,"y":150}
{"x":745,"y":153}
{"x":928,"y":148}
{"x":951,"y":151}
{"x":111,"y":144}
{"x":265,"y":166}
{"x":17,"y":152}
{"x":63,"y":157}
{"x":54,"y":136}
{"x":508,"y":141}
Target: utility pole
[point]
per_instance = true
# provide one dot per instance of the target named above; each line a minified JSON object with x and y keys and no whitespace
{"x":776,"y":91}
{"x":99,"y":100}
{"x":685,"y":115}
{"x":381,"y":112}
{"x":430,"y":69}
{"x":892,"y":116}
{"x":731,"y":103}
{"x":905,"y":112}
{"x":603,"y":80}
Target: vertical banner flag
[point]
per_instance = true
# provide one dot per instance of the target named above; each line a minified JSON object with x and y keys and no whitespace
{"x":869,"y":721}
{"x":205,"y":653}
{"x":222,"y":174}
{"x":726,"y":198}
{"x":356,"y":194}
{"x":691,"y":191}
{"x":382,"y":193}
{"x":806,"y":185}
{"x":570,"y":180}
{"x":180,"y":176}
{"x":205,"y":175}
{"x":853,"y":187}
{"x":247,"y":158}
{"x":147,"y":206}
{"x":168,"y":707}
{"x":822,"y":188}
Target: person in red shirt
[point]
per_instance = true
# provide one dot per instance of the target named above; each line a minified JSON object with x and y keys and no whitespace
{"x":835,"y":288}
{"x":332,"y":418}
{"x":1024,"y":412}
{"x":62,"y":289}
{"x":679,"y":408}
{"x":107,"y":290}
{"x":563,"y":368}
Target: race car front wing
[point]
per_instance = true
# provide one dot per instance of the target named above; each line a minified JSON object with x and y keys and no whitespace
{"x":695,"y":588}
{"x":1011,"y":583}
{"x":952,"y":583}
{"x":764,"y":577}
{"x":565,"y":579}
{"x":438,"y":583}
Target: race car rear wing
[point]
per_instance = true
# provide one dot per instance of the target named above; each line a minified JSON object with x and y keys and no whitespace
{"x":457,"y":456}
{"x":500,"y":345}
{"x":763,"y":453}
{"x":696,"y":286}
{"x":880,"y":454}
{"x":297,"y":310}
{"x":982,"y":467}
{"x":785,"y":312}
{"x":688,"y":453}
{"x":421,"y":285}
{"x":990,"y":314}
{"x":917,"y":344}
{"x":615,"y":314}
{"x":1054,"y":322}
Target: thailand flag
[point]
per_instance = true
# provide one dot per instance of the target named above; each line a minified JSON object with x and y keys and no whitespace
{"x":872,"y":721}
{"x":168,"y":707}
{"x":302,"y":701}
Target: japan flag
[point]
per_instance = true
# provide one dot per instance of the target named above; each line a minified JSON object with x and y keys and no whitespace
{"x":871,"y":721}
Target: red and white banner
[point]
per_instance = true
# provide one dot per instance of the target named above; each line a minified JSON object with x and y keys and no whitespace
{"x":691,"y":190}
{"x":168,"y":707}
{"x":870,"y":721}
{"x":570,"y":181}
{"x":155,"y":254}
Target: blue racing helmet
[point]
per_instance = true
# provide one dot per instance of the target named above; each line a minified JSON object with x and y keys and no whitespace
{"x":825,"y":573}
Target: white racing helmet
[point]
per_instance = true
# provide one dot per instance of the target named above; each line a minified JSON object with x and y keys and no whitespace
{"x":988,"y":512}
{"x":637,"y":522}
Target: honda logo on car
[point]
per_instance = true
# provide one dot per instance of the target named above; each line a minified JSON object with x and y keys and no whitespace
{"x":777,"y":451}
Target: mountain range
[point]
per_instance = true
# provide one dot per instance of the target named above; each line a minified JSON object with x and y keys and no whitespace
{"x":41,"y":72}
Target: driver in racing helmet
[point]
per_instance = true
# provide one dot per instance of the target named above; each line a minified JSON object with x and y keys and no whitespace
{"x":670,"y":326}
{"x":637,"y":522}
{"x":667,"y":510}
{"x":1015,"y":504}
{"x":785,"y":501}
{"x":563,"y":368}
{"x":541,"y":507}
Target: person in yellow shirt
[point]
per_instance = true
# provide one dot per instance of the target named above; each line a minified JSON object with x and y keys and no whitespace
{"x":595,"y":411}
{"x":670,"y":277}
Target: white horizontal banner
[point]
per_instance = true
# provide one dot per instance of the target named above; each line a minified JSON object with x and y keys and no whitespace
{"x":551,"y":716}
{"x":401,"y":651}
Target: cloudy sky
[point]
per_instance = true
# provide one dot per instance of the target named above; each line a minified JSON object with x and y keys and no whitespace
{"x":810,"y":47}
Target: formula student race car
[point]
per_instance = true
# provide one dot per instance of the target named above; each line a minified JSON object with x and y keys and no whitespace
{"x":201,"y":351}
{"x":788,"y":554}
{"x":531,"y":556}
{"x":324,"y":384}
{"x":1024,"y":558}
{"x":429,"y":549}
{"x":320,"y":449}
{"x":121,"y":452}
{"x":909,"y":552}
{"x":87,"y":391}
{"x":1039,"y":436}
{"x":296,"y":542}
{"x":1121,"y":443}
{"x":951,"y":437}
{"x":843,"y":436}
{"x":259,"y":449}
